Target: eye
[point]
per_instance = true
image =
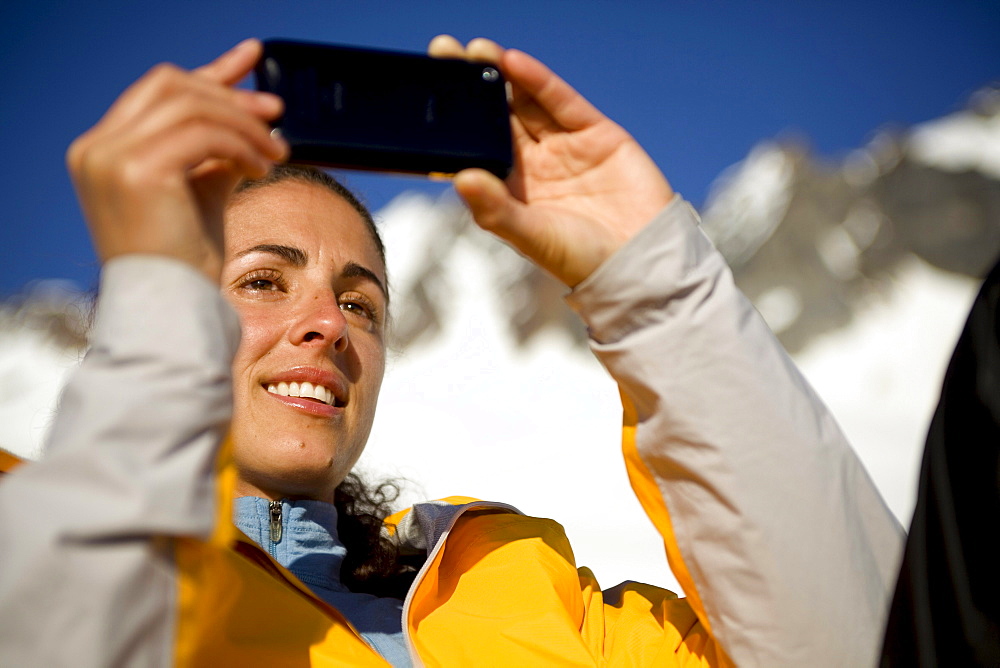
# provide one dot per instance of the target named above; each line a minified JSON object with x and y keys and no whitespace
{"x":262,"y":281}
{"x":260,"y":284}
{"x":359,"y":305}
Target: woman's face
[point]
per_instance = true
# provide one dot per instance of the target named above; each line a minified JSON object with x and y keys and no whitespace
{"x":305,"y":277}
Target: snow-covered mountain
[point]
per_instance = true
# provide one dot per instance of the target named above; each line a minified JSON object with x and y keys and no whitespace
{"x":490,"y":390}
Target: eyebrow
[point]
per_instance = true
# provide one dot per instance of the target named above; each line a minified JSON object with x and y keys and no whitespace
{"x":298,"y":258}
{"x":355,"y":270}
{"x":293,"y":256}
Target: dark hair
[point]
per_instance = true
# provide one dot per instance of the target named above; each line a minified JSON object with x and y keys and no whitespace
{"x":373,"y":564}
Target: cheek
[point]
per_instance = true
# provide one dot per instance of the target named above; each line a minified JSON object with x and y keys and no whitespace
{"x":375,"y":370}
{"x":260,"y":334}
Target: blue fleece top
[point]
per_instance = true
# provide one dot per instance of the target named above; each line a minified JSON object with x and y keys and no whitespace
{"x":309,"y":548}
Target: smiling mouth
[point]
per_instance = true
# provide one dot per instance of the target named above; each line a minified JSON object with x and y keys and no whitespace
{"x":305,"y":390}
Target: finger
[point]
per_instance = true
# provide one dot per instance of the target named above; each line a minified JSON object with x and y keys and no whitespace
{"x":530,"y":232}
{"x":230,"y":68}
{"x":194,"y":107}
{"x":536,"y":87}
{"x":209,"y":170}
{"x":493,"y":207}
{"x":165,"y":81}
{"x":445,"y":46}
{"x":198,"y":143}
{"x":484,"y":51}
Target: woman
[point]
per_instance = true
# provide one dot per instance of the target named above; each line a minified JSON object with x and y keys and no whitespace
{"x":772,"y":527}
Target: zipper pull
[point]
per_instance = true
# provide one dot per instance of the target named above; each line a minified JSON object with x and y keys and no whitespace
{"x":274,"y":509}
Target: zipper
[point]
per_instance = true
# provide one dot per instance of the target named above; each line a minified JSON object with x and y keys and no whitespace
{"x":275,"y":531}
{"x":274,"y":512}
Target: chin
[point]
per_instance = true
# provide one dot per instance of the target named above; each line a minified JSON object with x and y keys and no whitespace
{"x":291,"y":468}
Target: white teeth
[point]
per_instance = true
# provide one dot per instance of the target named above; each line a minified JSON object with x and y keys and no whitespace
{"x":306,"y":390}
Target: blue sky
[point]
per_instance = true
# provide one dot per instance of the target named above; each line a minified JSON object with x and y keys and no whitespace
{"x":698,"y":83}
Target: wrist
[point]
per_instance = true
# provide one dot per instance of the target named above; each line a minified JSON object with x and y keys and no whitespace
{"x":645,"y":273}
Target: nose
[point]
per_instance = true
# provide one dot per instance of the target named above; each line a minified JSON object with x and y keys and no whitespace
{"x":321,"y":323}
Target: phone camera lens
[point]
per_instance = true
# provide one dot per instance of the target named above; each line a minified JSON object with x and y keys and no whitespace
{"x":490,"y":74}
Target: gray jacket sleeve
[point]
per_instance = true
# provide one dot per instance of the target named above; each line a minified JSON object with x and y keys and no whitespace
{"x":87,"y":572}
{"x":791,"y":549}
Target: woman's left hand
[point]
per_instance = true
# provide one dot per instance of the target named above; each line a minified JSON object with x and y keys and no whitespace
{"x":154,"y":174}
{"x":581,"y":185}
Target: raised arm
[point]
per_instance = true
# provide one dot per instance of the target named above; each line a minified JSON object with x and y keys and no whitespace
{"x":780,"y":540}
{"x":85,"y":534}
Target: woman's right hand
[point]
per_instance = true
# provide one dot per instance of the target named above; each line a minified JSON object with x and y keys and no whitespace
{"x":154,"y":174}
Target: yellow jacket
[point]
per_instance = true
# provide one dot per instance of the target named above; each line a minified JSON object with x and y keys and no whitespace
{"x":498,"y":588}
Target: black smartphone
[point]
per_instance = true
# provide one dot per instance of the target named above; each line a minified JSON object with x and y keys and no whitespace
{"x":387,"y":111}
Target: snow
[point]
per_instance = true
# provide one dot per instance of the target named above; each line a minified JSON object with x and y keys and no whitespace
{"x":32,"y":371}
{"x":881,"y":376}
{"x":959,"y":142}
{"x":748,"y":201}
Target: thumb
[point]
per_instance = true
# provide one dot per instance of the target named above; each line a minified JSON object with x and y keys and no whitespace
{"x":489,"y":200}
{"x":559,"y":241}
{"x":496,"y":210}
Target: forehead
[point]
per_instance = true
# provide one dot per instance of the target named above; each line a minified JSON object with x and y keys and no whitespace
{"x":303,"y":215}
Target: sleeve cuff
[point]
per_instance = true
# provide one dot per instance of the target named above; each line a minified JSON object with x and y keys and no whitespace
{"x":153,"y":304}
{"x":646,"y":273}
